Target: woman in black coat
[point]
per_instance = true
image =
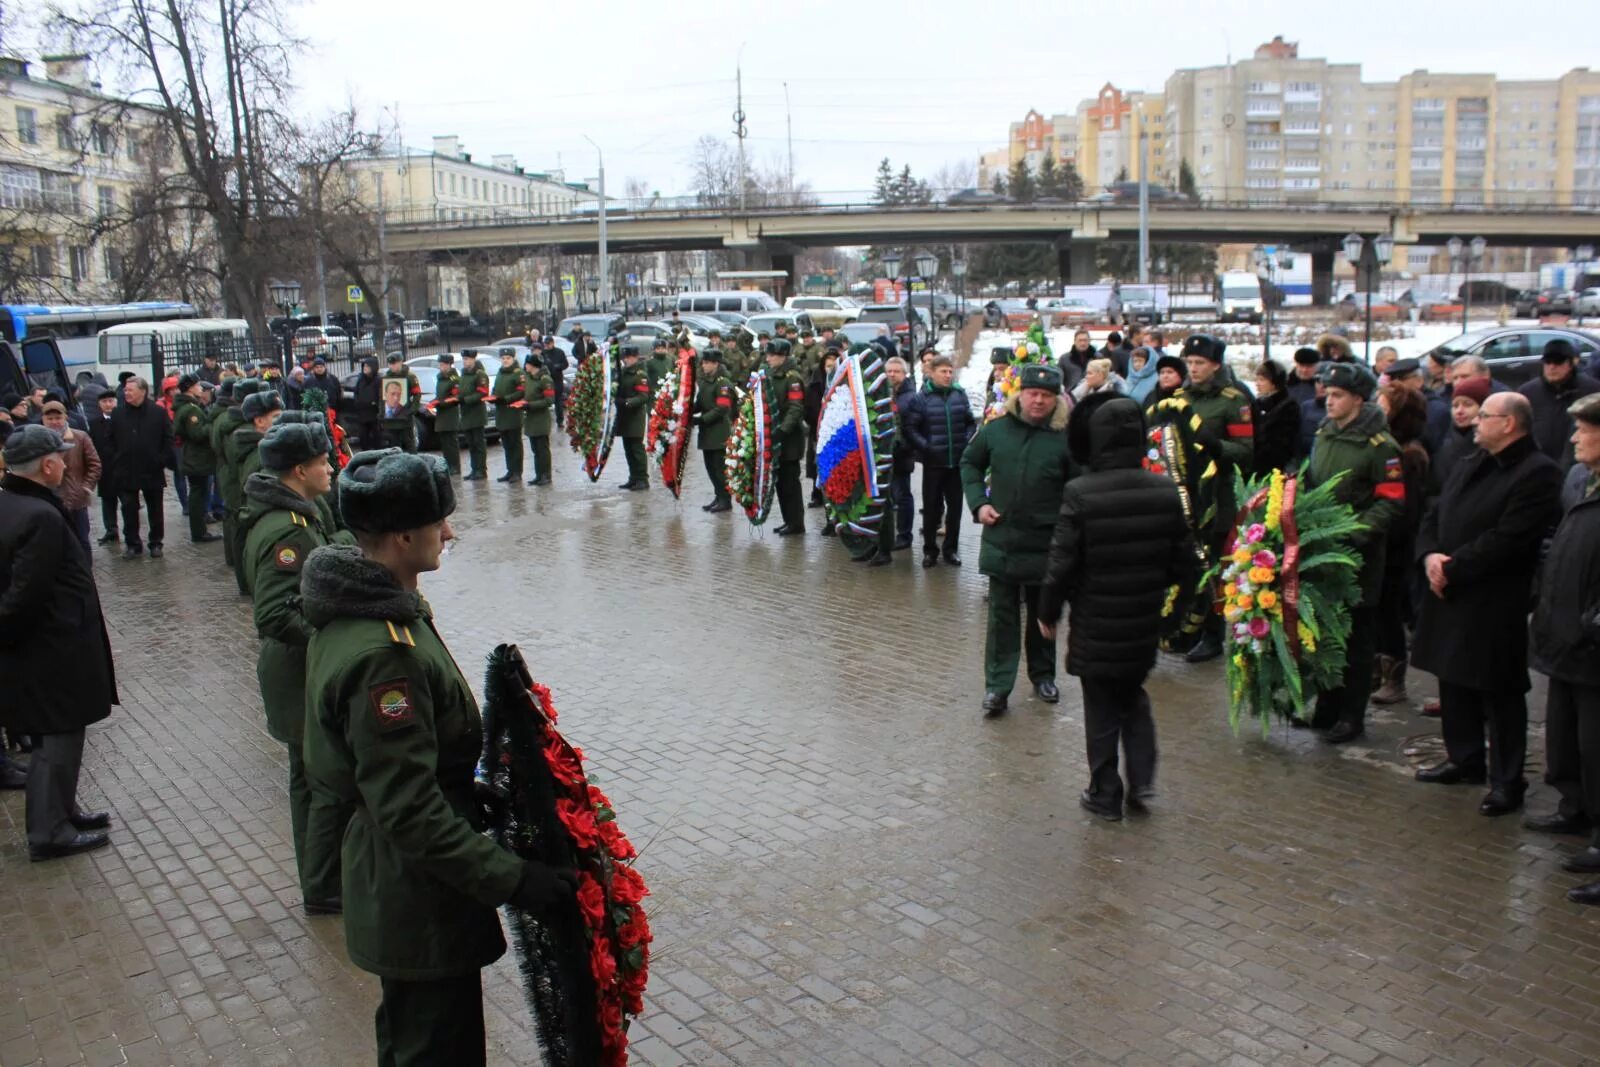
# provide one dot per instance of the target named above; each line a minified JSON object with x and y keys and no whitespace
{"x":1277,"y":420}
{"x":1407,"y":413}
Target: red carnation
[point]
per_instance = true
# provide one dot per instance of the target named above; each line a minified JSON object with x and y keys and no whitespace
{"x":632,"y":1002}
{"x":579,"y":821}
{"x":602,"y":964}
{"x":635,"y":931}
{"x":597,"y":798}
{"x":616,"y":841}
{"x":627,"y":886}
{"x":591,"y":900}
{"x":611,"y":1017}
{"x":562,"y":763}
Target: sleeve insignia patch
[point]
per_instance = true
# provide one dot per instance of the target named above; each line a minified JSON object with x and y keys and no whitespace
{"x":391,"y":704}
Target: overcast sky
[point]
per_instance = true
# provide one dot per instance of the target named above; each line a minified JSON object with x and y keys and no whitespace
{"x":923,"y":83}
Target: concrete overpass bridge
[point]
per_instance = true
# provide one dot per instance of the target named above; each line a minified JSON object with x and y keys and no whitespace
{"x":769,"y":237}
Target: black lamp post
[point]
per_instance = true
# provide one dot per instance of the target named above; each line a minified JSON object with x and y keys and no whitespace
{"x":1368,"y":258}
{"x":958,"y":268}
{"x":1467,"y":254}
{"x":1580,"y":257}
{"x":891,"y":266}
{"x":286,"y":295}
{"x":927,"y":267}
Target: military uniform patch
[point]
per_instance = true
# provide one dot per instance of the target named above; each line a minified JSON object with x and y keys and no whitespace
{"x":286,"y":558}
{"x":391,"y":704}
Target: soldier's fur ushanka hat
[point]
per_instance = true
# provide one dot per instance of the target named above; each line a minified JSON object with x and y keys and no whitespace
{"x":259,"y":403}
{"x":387,"y":491}
{"x":288,"y":444}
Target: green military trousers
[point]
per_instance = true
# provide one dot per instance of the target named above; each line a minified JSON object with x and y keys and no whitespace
{"x":1009,"y":632}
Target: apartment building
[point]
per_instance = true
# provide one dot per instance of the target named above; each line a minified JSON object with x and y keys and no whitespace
{"x":445,"y":184}
{"x":1100,"y":138}
{"x":70,"y":155}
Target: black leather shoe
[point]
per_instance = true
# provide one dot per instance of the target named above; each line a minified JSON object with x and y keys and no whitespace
{"x":1585,"y":894}
{"x":1138,"y":801}
{"x":1557,"y":823}
{"x":930,"y":559}
{"x":1500,"y":802}
{"x":324,"y":907}
{"x":506,"y":477}
{"x":79,"y":843}
{"x":781,"y":529}
{"x":816,"y":499}
{"x":829,"y":531}
{"x":533,"y":481}
{"x":91,"y":820}
{"x":994,"y":705}
{"x":1047,"y":692}
{"x":1094,"y":807}
{"x":206,"y":538}
{"x":952,"y":559}
{"x":1207,"y":648}
{"x":1298,"y":723}
{"x":132,"y":553}
{"x":155,"y":551}
{"x":638,"y":487}
{"x":13,"y":777}
{"x":1448,"y":773}
{"x":902,"y":545}
{"x":791,"y":531}
{"x":882,"y":559}
{"x":708,"y":507}
{"x":546,"y":480}
{"x":1342,"y":733}
{"x":107,"y":539}
{"x":1585,"y":862}
{"x":720,"y":506}
{"x":475,"y":476}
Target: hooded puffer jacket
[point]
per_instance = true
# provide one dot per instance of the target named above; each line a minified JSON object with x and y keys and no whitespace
{"x":1120,"y":544}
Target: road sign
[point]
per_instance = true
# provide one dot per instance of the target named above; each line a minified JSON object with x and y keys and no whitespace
{"x":633,"y":279}
{"x":568,"y":283}
{"x":354,"y":294}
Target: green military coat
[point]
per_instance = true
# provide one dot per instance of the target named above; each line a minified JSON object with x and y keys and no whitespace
{"x":1374,"y":484}
{"x":280,"y":529}
{"x":229,"y":484}
{"x":633,"y":401}
{"x":447,"y":402}
{"x":655,"y":369}
{"x":539,"y":395}
{"x":786,"y":393}
{"x":716,"y":404}
{"x":1020,"y":470}
{"x":244,"y":454}
{"x":192,"y":429}
{"x":474,"y":398}
{"x":392,"y":728}
{"x":508,"y":387}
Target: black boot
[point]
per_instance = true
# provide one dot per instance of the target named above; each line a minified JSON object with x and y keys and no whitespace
{"x":1209,"y":647}
{"x":994,"y":705}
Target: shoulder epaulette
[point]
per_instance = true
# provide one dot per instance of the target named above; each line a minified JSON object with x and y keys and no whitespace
{"x":401,"y":635}
{"x":1230,"y":392}
{"x":298,"y":519}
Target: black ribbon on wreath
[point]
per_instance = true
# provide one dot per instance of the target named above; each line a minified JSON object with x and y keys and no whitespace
{"x":518,"y":793}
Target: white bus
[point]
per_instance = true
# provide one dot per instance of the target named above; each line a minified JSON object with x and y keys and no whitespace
{"x":75,"y":326}
{"x":135,"y":345}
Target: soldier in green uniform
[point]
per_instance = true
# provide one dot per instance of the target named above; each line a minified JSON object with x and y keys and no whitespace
{"x":475,"y":414}
{"x":229,"y":485}
{"x":259,"y":411}
{"x":714,"y":404}
{"x":808,"y":354}
{"x":399,"y":397}
{"x":633,"y":413}
{"x":1354,"y":441}
{"x":1226,"y":435}
{"x":192,"y":429}
{"x":282,"y":523}
{"x":508,"y":405}
{"x":1012,"y":474}
{"x":661,"y":360}
{"x":392,"y":728}
{"x":786,"y":393}
{"x":539,"y":396}
{"x":447,"y":413}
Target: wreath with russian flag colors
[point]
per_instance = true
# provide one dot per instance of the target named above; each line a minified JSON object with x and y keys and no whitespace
{"x":591,"y":416}
{"x":749,"y":460}
{"x":1289,"y":582}
{"x":855,"y":433}
{"x":667,"y":435}
{"x":584,"y":965}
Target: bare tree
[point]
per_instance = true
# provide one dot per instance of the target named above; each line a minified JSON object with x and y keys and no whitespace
{"x":954,"y":176}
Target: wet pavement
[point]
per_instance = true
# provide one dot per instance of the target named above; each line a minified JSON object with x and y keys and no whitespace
{"x":848,"y":865}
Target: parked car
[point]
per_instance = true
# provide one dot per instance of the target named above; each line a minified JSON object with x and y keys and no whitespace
{"x":1128,"y":193}
{"x":1587,"y":303}
{"x":646,"y":334}
{"x":894,"y":316}
{"x":863,"y":333}
{"x":329,"y":342}
{"x":1552,"y":301}
{"x":767,"y":321}
{"x":1515,"y":353}
{"x":600,"y":324}
{"x":705,"y":323}
{"x":832,"y":311}
{"x":1523,"y":304}
{"x":976,"y":197}
{"x":729,"y":319}
{"x":946,"y":309}
{"x":1068,"y":311}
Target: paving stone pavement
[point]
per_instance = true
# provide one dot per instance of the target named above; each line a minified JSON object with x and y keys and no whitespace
{"x":848,"y":866}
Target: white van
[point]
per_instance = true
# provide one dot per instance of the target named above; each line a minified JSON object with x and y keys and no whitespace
{"x":743,"y":301}
{"x":133,"y":345}
{"x":1239,"y":297}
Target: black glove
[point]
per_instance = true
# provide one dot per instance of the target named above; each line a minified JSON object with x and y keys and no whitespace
{"x":1207,"y":439}
{"x":543,"y":886}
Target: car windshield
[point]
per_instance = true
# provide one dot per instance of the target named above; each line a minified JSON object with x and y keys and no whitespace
{"x":860,"y":332}
{"x":1239,"y":292}
{"x":882,"y":315}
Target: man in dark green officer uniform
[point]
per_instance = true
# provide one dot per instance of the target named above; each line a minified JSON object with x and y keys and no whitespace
{"x":193,"y":432}
{"x":1012,"y":474}
{"x":1227,"y":436}
{"x":1355,"y":441}
{"x":392,"y":728}
{"x":539,"y":396}
{"x":633,"y":412}
{"x":399,"y":397}
{"x":786,"y":394}
{"x":229,"y":485}
{"x":714,"y":407}
{"x":661,"y":360}
{"x":475,"y":414}
{"x":281,"y":524}
{"x":241,"y":450}
{"x":447,"y":413}
{"x":508,"y":405}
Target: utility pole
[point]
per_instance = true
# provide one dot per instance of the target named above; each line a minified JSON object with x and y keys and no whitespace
{"x":383,"y":274}
{"x":605,"y":261}
{"x":788,"y":122}
{"x":739,"y":129}
{"x":1144,"y":205}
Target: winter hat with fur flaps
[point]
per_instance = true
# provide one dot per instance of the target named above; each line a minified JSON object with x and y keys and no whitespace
{"x":309,"y":418}
{"x":289,"y":444}
{"x":1332,"y":346}
{"x":245,"y":386}
{"x":261,"y":403}
{"x":388,"y":491}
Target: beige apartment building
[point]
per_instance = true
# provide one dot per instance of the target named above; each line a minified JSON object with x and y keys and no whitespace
{"x":1100,"y":139}
{"x":1279,"y":128}
{"x":69,"y":155}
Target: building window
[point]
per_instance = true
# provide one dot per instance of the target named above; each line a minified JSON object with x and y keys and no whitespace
{"x":135,"y":147}
{"x":27,"y":125}
{"x":101,"y":136}
{"x":64,"y":139}
{"x":44,"y":261}
{"x":78,"y":261}
{"x":113,"y":265}
{"x":20,"y":187}
{"x":452,"y":184}
{"x":108,"y":200}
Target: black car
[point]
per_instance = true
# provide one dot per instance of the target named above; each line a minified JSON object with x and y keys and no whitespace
{"x":1515,"y":354}
{"x":1552,"y":301}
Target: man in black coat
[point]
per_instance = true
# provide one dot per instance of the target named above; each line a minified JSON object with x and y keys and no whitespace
{"x":365,"y":401}
{"x":1566,"y":648}
{"x":1479,"y":546}
{"x":1559,"y":387}
{"x":105,"y":403}
{"x":555,"y":361}
{"x":54,"y":652}
{"x":1121,"y":543}
{"x":141,"y":452}
{"x":939,"y":422}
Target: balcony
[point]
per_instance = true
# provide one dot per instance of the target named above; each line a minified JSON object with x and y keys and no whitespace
{"x":1472,"y":144}
{"x":1302,"y":185}
{"x":1255,"y":109}
{"x":1303,"y":96}
{"x":1303,"y":166}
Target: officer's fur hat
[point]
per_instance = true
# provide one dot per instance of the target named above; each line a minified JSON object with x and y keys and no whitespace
{"x":387,"y":491}
{"x":711,"y":355}
{"x":261,"y":402}
{"x":245,"y":386}
{"x":1351,"y":377}
{"x":308,"y":417}
{"x":1041,"y":376}
{"x":1000,"y":355}
{"x":290,"y":443}
{"x":1173,"y":363}
{"x":1204,"y":345}
{"x":777,"y":347}
{"x":225,"y":390}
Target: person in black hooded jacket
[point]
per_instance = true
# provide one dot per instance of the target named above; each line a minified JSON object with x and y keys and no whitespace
{"x":1277,"y":419}
{"x":365,"y":401}
{"x":1121,"y":545}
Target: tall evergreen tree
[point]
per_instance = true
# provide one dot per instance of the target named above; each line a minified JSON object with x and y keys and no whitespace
{"x":1186,"y":182}
{"x":1021,"y":183}
{"x":1049,"y":177}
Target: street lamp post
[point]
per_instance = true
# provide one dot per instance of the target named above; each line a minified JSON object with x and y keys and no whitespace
{"x":958,"y":267}
{"x":1263,"y":265}
{"x":927,"y":267}
{"x":605,"y":267}
{"x":1467,"y":253}
{"x":1368,"y":258}
{"x":594,"y":288}
{"x":286,"y":295}
{"x":1581,"y":255}
{"x":891,"y":265}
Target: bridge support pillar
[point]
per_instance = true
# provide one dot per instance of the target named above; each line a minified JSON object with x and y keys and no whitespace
{"x":784,"y":261}
{"x":1322,"y":277}
{"x":1076,"y":263}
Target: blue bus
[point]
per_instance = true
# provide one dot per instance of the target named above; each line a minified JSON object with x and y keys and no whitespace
{"x":75,"y":326}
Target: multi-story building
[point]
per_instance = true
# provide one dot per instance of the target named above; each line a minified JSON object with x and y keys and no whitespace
{"x":71,"y":157}
{"x":1101,"y":138}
